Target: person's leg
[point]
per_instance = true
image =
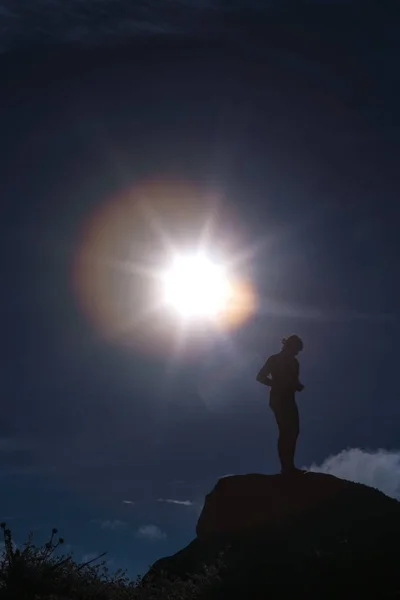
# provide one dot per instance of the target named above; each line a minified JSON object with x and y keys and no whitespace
{"x":287,"y":418}
{"x":293,"y":432}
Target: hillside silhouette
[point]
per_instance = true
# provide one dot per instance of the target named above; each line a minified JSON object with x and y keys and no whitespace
{"x":310,"y":535}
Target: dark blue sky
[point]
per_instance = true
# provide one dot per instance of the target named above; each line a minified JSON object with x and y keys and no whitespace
{"x":292,"y":117}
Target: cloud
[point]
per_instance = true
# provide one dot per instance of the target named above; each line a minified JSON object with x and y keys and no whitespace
{"x":127,"y":502}
{"x":180,"y":502}
{"x":150,"y":532}
{"x":379,"y":468}
{"x":108,"y":525}
{"x":96,"y":21}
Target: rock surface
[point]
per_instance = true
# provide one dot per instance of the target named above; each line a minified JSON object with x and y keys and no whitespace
{"x":247,"y":503}
{"x":308,"y":533}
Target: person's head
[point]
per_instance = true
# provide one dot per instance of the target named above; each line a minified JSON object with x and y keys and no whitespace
{"x":292,"y":345}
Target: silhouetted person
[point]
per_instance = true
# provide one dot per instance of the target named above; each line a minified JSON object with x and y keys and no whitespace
{"x":281,"y":374}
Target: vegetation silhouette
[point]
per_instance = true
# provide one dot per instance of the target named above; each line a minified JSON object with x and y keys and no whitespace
{"x":42,"y":573}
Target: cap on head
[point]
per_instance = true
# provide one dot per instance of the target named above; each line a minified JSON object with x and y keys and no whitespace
{"x":293,"y":343}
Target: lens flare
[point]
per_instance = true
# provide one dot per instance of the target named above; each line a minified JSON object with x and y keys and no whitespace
{"x":154,"y":260}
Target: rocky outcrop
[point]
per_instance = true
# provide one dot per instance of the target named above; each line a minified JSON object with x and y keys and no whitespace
{"x":243,"y":504}
{"x":311,"y":534}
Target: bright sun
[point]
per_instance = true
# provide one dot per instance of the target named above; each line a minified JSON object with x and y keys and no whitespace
{"x":197,"y":287}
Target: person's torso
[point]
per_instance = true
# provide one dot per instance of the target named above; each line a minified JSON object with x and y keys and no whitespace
{"x":284,"y":374}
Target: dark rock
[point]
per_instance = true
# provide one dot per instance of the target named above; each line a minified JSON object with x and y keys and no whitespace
{"x":307,"y":533}
{"x":246,"y":503}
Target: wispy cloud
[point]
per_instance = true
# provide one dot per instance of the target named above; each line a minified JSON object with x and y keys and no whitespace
{"x":150,"y":532}
{"x":110,"y":525}
{"x":172,"y":501}
{"x":85,"y":22}
{"x":97,"y":21}
{"x":127,"y":502}
{"x":379,"y":468}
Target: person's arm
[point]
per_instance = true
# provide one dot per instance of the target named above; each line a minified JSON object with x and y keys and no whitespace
{"x":264,"y":373}
{"x":299,"y":386}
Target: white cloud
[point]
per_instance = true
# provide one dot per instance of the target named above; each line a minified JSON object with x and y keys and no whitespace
{"x":180,"y":502}
{"x":109,"y":525}
{"x":127,"y":502}
{"x":379,"y":468}
{"x":150,"y":532}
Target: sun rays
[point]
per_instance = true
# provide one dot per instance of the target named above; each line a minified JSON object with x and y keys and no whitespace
{"x":157,"y":269}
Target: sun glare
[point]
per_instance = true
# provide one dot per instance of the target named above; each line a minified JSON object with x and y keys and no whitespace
{"x":163,"y":268}
{"x":197,"y":287}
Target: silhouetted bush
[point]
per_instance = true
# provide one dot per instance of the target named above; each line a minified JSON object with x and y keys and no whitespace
{"x":41,"y":573}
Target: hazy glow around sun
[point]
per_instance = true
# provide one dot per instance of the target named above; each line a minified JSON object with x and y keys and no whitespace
{"x":196,"y":287}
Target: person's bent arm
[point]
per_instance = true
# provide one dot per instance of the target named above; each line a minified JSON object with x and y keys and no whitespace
{"x":264,"y":373}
